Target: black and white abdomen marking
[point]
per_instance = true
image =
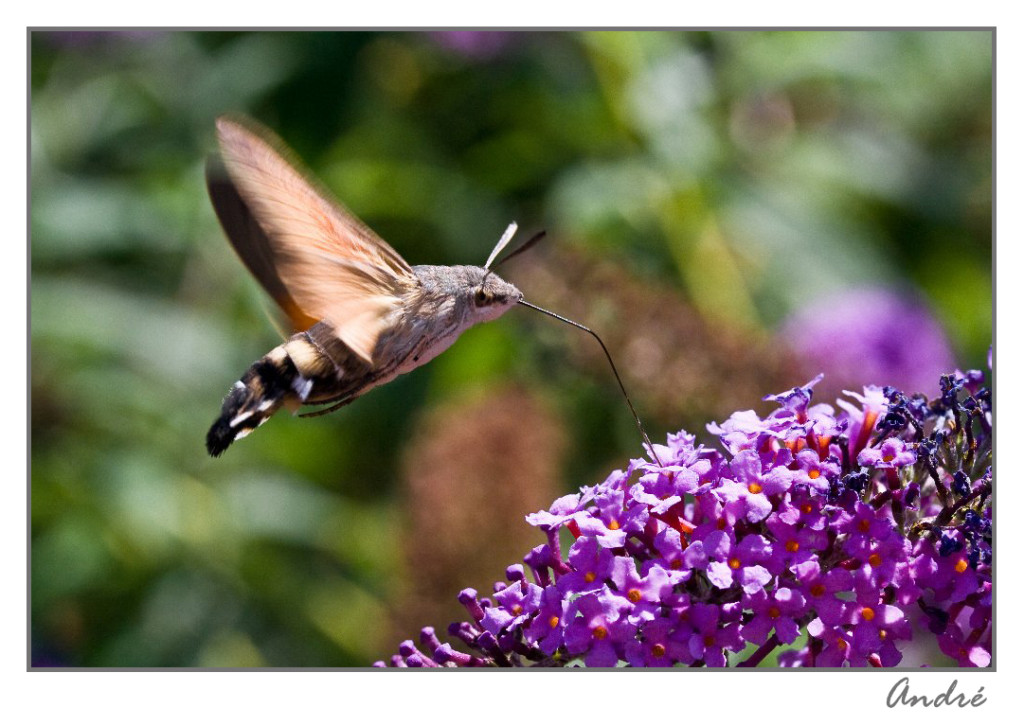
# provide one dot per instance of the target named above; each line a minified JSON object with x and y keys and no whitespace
{"x":256,"y":397}
{"x":313,"y":367}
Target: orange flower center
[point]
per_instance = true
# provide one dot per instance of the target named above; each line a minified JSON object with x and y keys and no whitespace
{"x":774,"y":612}
{"x":864,"y":526}
{"x":633,"y":595}
{"x":754,"y":488}
{"x":613,"y":524}
{"x":867,"y":613}
{"x":807,"y":508}
{"x":553,"y":621}
{"x":875,"y":559}
{"x":657,"y":650}
{"x":817,"y":589}
{"x":590,"y":576}
{"x":600,"y":632}
{"x":960,"y":566}
{"x":888,"y":457}
{"x":517,"y":609}
{"x":814,"y":473}
{"x":792,"y":546}
{"x":841,"y":643}
{"x":734,"y":563}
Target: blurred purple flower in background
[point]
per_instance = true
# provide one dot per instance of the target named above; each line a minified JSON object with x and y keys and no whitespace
{"x":474,"y":44}
{"x":871,"y":336}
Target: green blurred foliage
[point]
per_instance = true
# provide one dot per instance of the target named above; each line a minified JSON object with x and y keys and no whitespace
{"x":750,"y":171}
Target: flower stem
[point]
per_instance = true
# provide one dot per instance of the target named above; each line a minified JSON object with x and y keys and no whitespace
{"x":759,"y":655}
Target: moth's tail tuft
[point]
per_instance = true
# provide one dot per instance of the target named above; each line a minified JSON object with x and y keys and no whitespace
{"x":219,"y":437}
{"x":252,"y":400}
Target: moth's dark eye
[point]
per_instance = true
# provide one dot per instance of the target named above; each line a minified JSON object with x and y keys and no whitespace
{"x":482,"y":297}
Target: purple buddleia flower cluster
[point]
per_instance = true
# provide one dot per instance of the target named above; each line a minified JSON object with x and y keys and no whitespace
{"x":841,"y":534}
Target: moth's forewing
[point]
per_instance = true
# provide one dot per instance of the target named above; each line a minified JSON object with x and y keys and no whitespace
{"x":324,"y":258}
{"x":250,"y":241}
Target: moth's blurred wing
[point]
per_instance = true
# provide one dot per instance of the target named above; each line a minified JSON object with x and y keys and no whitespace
{"x":313,"y":256}
{"x":250,"y":241}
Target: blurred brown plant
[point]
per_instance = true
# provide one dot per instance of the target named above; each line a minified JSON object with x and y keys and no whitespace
{"x":680,"y":368}
{"x":474,"y":469}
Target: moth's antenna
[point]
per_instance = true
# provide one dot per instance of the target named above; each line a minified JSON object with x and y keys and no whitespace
{"x":505,"y":239}
{"x":520,"y":249}
{"x":556,"y":316}
{"x":517,"y":251}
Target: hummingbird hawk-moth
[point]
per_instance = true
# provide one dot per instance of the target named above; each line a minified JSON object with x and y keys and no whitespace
{"x":364,"y":315}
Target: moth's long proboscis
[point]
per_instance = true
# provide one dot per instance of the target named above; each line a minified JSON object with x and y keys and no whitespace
{"x":505,"y":239}
{"x":622,"y":387}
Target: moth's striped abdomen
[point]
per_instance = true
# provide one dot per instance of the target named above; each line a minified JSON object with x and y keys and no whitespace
{"x":255,"y":398}
{"x":313,"y":367}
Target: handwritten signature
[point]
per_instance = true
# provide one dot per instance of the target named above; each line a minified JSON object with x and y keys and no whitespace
{"x":899,"y":695}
